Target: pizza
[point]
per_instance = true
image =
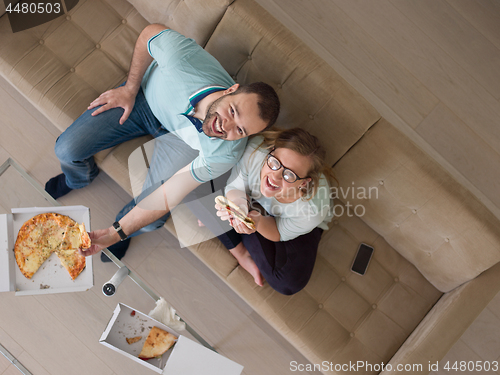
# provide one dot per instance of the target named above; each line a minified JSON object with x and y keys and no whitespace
{"x":157,"y":343}
{"x":45,"y":234}
{"x":234,"y":210}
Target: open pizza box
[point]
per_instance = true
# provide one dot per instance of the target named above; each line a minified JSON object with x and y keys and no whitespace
{"x":51,"y":277}
{"x":186,"y":357}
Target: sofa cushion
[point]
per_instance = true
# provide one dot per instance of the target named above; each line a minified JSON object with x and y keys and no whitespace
{"x":253,"y":46}
{"x":342,"y":316}
{"x":419,"y":209}
{"x":63,"y":65}
{"x":116,"y":164}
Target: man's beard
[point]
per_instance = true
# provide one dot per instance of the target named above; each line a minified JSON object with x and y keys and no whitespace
{"x":211,"y":114}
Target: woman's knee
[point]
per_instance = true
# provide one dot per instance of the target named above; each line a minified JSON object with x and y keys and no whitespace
{"x":287,"y":284}
{"x":288,"y":288}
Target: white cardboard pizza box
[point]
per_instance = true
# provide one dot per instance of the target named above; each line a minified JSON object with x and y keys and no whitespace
{"x":186,"y":357}
{"x":51,"y":277}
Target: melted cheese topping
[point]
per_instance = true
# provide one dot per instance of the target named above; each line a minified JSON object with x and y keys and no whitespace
{"x":44,"y":234}
{"x":72,"y":239}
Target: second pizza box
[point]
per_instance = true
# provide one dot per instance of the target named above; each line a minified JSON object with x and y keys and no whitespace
{"x":186,"y":357}
{"x":51,"y":277}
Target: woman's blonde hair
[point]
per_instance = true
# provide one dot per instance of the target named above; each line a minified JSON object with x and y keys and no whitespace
{"x":306,"y":144}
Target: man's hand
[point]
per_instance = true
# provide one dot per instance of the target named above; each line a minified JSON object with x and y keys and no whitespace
{"x":100,"y":239}
{"x":122,"y":97}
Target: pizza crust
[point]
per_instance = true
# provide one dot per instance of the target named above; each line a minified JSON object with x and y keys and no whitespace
{"x":44,"y":234}
{"x":84,"y":236}
{"x":132,"y":340}
{"x":157,"y":343}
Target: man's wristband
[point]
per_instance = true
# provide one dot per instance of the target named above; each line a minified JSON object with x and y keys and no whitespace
{"x":120,"y":231}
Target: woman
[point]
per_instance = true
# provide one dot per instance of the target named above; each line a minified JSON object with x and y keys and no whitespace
{"x":285,"y":173}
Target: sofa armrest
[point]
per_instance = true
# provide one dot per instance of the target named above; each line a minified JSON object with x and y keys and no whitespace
{"x":446,"y":322}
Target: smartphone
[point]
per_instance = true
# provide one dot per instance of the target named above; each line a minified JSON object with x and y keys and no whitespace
{"x":362,"y":259}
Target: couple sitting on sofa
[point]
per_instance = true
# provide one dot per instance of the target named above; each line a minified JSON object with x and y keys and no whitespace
{"x":176,"y":91}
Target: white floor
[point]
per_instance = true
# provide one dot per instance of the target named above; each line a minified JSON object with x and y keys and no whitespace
{"x":479,"y":345}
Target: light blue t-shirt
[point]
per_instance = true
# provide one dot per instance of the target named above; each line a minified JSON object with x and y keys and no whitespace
{"x":292,"y":219}
{"x":180,"y":69}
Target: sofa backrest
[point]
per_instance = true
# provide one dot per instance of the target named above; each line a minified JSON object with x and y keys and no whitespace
{"x":420,"y":210}
{"x":194,"y":19}
{"x":253,"y":46}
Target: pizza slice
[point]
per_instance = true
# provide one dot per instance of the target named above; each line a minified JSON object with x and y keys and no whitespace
{"x":157,"y":343}
{"x":30,"y":259}
{"x":234,"y":210}
{"x":72,"y":261}
{"x":75,"y":237}
{"x":52,"y":235}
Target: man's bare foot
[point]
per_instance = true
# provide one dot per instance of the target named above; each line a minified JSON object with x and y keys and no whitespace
{"x":245,"y":260}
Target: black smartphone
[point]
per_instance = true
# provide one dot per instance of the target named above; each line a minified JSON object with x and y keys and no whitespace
{"x":362,"y":259}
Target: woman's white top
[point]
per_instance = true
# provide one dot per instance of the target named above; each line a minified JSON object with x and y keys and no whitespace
{"x":292,"y":219}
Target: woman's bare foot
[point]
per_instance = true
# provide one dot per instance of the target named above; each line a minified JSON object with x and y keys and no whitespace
{"x":245,"y":260}
{"x":200,"y":224}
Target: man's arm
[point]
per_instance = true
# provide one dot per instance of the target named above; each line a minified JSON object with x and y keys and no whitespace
{"x":124,"y":96}
{"x":150,"y":209}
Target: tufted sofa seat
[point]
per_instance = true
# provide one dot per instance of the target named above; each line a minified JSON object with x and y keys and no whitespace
{"x":436,"y":245}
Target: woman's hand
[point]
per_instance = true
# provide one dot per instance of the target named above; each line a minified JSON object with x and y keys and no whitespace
{"x":100,"y":239}
{"x":241,"y":228}
{"x":224,"y":214}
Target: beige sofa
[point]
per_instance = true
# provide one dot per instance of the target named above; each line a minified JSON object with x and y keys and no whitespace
{"x":436,"y":245}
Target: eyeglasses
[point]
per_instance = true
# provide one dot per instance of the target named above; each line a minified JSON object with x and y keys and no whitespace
{"x":288,"y":175}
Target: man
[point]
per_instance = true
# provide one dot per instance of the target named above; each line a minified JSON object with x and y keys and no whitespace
{"x":178,"y":91}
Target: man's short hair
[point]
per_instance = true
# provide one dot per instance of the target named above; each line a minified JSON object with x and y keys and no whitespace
{"x":269,"y":103}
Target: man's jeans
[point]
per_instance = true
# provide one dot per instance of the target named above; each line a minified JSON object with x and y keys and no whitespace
{"x":90,"y":134}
